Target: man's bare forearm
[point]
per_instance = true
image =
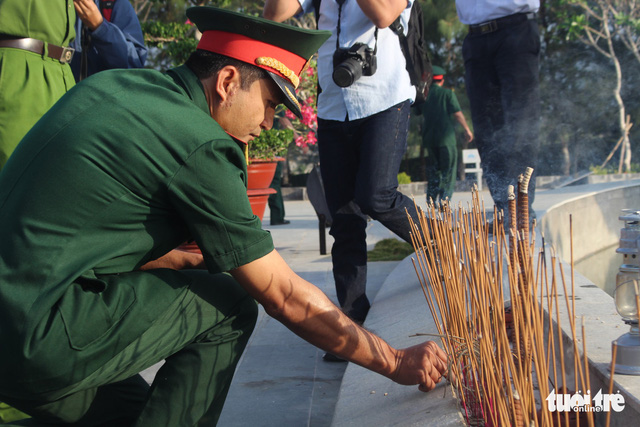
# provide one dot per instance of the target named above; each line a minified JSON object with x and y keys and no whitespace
{"x":281,"y":10}
{"x":459,"y":117}
{"x":307,"y":311}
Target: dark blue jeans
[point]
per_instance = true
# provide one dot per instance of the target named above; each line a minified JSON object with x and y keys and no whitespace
{"x":359,"y":162}
{"x":501,"y":74}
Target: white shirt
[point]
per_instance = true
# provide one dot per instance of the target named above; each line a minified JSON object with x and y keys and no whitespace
{"x":473,"y":12}
{"x":369,"y":95}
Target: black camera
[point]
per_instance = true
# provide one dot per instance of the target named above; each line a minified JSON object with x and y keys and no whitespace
{"x":351,"y":64}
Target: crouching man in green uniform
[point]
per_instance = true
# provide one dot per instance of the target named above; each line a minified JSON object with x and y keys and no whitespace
{"x":124,"y":168}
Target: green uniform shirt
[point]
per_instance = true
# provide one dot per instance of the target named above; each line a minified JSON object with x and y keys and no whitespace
{"x":438,"y":127}
{"x":51,"y":21}
{"x":31,"y":83}
{"x":125,"y":167}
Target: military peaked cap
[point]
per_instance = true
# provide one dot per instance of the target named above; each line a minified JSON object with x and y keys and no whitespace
{"x":282,"y":50}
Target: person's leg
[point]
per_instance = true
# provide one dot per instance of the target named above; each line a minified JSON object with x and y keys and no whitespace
{"x":448,"y":169}
{"x":383,"y":142}
{"x":339,"y":166}
{"x":115,"y":404}
{"x":201,"y":335}
{"x":517,"y":68}
{"x":433,"y":174}
{"x":483,"y":91}
{"x":192,"y":385}
{"x":276,"y":204}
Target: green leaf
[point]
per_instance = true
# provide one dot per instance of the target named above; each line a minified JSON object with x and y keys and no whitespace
{"x":270,"y":144}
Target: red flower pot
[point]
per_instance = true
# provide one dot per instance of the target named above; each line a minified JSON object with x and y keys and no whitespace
{"x":258,"y":199}
{"x":260,"y":173}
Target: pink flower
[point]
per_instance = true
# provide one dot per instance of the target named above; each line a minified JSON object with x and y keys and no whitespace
{"x":311,"y":138}
{"x":300,"y":141}
{"x":309,"y":117}
{"x":289,"y":115}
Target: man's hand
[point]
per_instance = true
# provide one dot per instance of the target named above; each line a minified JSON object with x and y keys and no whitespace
{"x":468,"y":135}
{"x":176,"y":260}
{"x":423,"y":364}
{"x":88,"y":13}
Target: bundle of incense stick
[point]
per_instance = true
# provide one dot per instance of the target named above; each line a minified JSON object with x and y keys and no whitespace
{"x":501,"y":375}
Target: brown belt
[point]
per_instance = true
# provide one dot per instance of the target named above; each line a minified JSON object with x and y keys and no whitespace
{"x":62,"y":54}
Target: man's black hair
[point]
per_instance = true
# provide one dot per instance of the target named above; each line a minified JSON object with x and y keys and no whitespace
{"x":206,"y":64}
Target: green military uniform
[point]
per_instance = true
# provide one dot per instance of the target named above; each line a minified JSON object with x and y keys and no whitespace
{"x":439,"y":138}
{"x":31,"y":83}
{"x":126,"y":167}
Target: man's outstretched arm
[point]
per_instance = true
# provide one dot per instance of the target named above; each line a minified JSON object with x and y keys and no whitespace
{"x":307,"y":311}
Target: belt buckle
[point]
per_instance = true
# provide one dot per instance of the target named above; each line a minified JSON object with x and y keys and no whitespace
{"x":67,"y":54}
{"x":488,"y":27}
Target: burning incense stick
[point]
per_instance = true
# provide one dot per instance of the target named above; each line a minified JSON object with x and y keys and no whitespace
{"x":468,"y":277}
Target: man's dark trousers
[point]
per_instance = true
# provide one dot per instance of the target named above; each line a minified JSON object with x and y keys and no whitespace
{"x":359,"y":164}
{"x":275,"y":201}
{"x":501,"y":74}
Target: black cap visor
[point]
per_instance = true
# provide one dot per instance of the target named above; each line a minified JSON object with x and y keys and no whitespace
{"x":289,"y":93}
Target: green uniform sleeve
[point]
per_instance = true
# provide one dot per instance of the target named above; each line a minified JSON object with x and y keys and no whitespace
{"x":210,"y":194}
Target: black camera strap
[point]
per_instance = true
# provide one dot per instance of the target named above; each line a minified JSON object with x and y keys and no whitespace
{"x":340,"y":3}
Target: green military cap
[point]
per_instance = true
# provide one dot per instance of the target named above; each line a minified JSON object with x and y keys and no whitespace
{"x":282,"y":50}
{"x":438,"y":72}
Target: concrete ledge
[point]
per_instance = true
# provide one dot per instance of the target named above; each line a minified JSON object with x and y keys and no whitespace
{"x":400,"y":310}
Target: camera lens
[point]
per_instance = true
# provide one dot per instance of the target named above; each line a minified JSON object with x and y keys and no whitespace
{"x":347,"y":72}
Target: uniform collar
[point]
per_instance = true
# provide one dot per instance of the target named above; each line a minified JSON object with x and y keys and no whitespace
{"x":185,"y":78}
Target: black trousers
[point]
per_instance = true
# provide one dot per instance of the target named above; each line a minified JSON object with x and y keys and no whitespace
{"x":276,"y":203}
{"x":501,"y":74}
{"x":359,"y":161}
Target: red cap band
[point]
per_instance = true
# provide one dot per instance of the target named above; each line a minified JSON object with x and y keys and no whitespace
{"x":246,"y":49}
{"x":438,"y":77}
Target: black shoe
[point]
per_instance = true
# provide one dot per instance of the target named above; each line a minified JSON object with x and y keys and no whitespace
{"x":284,"y":222}
{"x":330,"y":357}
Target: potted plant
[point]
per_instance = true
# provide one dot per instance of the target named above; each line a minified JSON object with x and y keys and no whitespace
{"x":264,"y":153}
